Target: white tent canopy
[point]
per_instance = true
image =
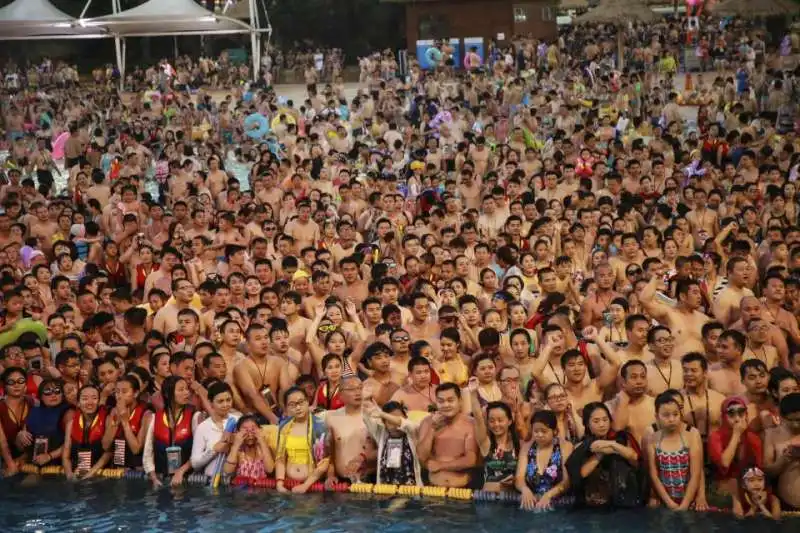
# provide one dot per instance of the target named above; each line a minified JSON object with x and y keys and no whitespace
{"x":39,"y":19}
{"x":169,"y":17}
{"x":174,"y":18}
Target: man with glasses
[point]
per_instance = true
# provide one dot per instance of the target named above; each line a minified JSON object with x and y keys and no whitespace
{"x":664,"y":371}
{"x":757,"y":348}
{"x":401,"y":346}
{"x":166,"y":319}
{"x":685,"y":319}
{"x":352,"y":450}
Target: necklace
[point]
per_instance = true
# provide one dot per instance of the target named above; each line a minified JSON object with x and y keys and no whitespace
{"x":703,"y":434}
{"x":555,"y":374}
{"x":667,"y":379}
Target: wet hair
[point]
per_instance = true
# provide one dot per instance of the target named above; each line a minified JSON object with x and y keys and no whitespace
{"x":589,"y":409}
{"x":13,"y":370}
{"x":391,"y":405}
{"x":217,"y":388}
{"x":245,"y":418}
{"x":778,"y":375}
{"x":692,"y":357}
{"x":168,"y":391}
{"x":511,"y":429}
{"x":754,"y":364}
{"x":444,"y":387}
{"x":293,"y":390}
{"x":629,"y":364}
{"x":546,"y":418}
{"x":664,"y":398}
{"x":331,"y":357}
{"x":790,"y":404}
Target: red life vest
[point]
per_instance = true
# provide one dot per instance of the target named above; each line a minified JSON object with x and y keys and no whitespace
{"x":88,"y":438}
{"x":164,"y":437}
{"x":85,"y":436}
{"x":134,"y":420}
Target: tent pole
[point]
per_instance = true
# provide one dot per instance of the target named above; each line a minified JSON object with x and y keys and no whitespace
{"x":255,"y":39}
{"x":86,"y":8}
{"x":118,"y":51}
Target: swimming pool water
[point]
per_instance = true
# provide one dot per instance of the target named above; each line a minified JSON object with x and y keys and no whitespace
{"x":132,"y":506}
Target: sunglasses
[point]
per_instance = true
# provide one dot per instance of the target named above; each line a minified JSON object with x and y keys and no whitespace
{"x":733,"y":411}
{"x":401,"y":338}
{"x":54,"y":390}
{"x":447,"y":318}
{"x":327,"y":328}
{"x":18,"y":381}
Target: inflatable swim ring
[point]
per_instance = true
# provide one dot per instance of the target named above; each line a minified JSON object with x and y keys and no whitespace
{"x":256,"y":126}
{"x":58,"y":145}
{"x":23,"y":326}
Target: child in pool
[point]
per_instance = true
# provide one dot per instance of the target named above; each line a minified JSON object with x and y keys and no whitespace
{"x":754,"y":497}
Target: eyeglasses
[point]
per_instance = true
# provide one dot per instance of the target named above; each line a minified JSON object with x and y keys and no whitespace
{"x":665,"y":340}
{"x":349,"y":389}
{"x":298,"y":403}
{"x":18,"y":381}
{"x":558,"y":397}
{"x":401,"y":338}
{"x":51,"y":391}
{"x":327,"y":328}
{"x":736,"y":411}
{"x":510,"y":380}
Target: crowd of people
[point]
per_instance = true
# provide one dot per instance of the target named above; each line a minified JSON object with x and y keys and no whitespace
{"x":528,"y":276}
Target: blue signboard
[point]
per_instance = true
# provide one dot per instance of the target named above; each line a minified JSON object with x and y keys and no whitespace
{"x":477,"y":43}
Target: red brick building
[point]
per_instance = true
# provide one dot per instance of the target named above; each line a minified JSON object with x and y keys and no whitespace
{"x":436,"y":19}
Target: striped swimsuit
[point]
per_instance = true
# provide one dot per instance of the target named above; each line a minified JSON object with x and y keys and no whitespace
{"x":673,"y":470}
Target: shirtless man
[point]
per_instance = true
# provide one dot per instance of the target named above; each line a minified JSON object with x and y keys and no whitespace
{"x":633,"y":409}
{"x":353,"y":287}
{"x":231,"y":333}
{"x":575,"y":370}
{"x":353,"y":451}
{"x":703,"y":405}
{"x":724,"y":376}
{"x":302,"y":229}
{"x":685,"y":320}
{"x":782,"y":451}
{"x":257,"y":377}
{"x":421,"y":327}
{"x":418,"y":395}
{"x":757,"y":347}
{"x":664,"y":371}
{"x":447,"y":446}
{"x":631,"y":254}
{"x":298,"y":325}
{"x":379,"y":386}
{"x":703,"y":221}
{"x":636,"y":328}
{"x":594,"y":306}
{"x":750,"y":308}
{"x":400,"y":364}
{"x":166,"y":319}
{"x":162,"y":278}
{"x":42,"y":227}
{"x":726,"y":306}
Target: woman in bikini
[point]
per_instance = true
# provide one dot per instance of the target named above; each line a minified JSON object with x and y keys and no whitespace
{"x":541,"y":474}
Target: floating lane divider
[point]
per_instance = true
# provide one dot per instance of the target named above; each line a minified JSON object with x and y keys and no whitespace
{"x":355,"y":488}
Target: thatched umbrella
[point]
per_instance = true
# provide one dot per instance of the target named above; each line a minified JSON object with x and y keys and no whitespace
{"x":755,"y":8}
{"x":619,"y":12}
